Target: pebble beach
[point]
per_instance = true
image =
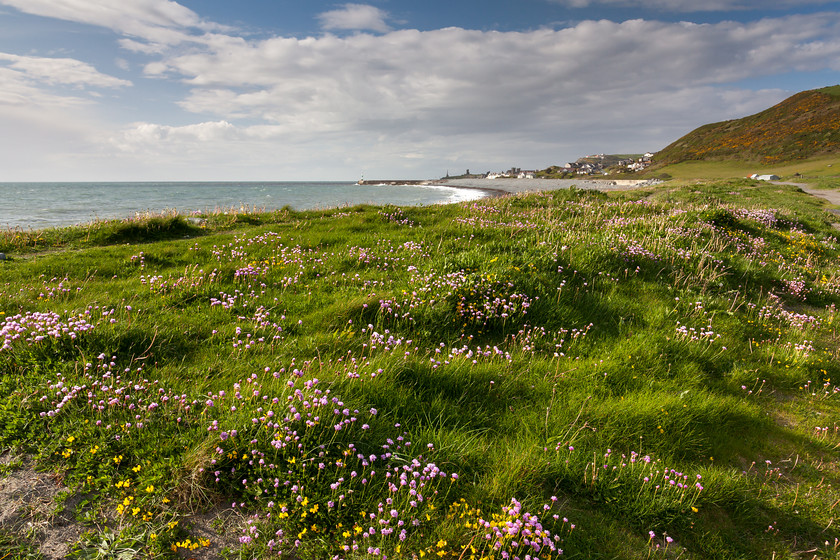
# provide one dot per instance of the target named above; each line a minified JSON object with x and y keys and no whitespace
{"x":512,"y":186}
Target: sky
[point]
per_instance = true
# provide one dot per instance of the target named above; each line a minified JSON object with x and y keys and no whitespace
{"x":273,"y":90}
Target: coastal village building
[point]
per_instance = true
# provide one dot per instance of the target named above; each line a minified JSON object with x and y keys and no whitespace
{"x":513,"y":172}
{"x":598,"y":164}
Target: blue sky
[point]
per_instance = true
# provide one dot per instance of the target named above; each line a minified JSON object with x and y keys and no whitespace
{"x":291,"y":90}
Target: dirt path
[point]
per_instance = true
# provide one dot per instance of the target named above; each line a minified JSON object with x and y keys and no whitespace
{"x":831,"y":196}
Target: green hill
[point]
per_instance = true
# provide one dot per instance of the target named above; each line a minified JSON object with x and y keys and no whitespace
{"x":803,"y":126}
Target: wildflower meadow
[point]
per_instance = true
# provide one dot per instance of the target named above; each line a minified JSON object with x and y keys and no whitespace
{"x":642,"y":374}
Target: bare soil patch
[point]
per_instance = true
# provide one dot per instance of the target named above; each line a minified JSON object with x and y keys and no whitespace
{"x":34,"y":506}
{"x":37,"y":509}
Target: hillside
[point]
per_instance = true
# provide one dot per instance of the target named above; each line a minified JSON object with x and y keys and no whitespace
{"x":802,"y":126}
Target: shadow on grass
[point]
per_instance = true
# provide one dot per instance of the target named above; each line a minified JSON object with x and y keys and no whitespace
{"x":144,"y":231}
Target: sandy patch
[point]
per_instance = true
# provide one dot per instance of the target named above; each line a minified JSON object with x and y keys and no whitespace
{"x":37,"y":509}
{"x":34,"y":507}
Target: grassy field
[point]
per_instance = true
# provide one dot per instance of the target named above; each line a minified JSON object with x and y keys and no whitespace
{"x":826,"y":167}
{"x":644,"y":374}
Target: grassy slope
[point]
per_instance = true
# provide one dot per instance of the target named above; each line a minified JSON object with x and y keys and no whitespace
{"x":598,"y":359}
{"x":802,"y":126}
{"x":817,"y":169}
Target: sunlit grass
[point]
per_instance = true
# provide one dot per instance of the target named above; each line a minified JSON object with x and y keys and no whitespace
{"x":506,"y":378}
{"x":818,"y":168}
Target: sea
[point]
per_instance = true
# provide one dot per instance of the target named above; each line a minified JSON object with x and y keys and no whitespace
{"x":49,"y":205}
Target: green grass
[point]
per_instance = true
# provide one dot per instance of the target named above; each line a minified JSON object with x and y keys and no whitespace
{"x":14,"y":547}
{"x":826,"y":168}
{"x":833,"y":91}
{"x":534,"y":362}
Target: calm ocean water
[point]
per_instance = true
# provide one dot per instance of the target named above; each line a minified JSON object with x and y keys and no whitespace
{"x":44,"y":205}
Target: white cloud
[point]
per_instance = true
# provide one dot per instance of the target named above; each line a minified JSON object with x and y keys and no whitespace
{"x":358,"y":17}
{"x":159,"y":21}
{"x":155,"y":137}
{"x":453,"y":79}
{"x":18,"y":92}
{"x":43,"y":132}
{"x":695,"y":5}
{"x":65,"y":71}
{"x":411,"y":102}
{"x":459,"y":96}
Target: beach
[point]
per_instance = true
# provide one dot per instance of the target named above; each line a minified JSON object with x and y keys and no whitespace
{"x":500,"y":187}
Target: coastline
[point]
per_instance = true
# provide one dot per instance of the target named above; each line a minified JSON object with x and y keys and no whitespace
{"x":49,"y":205}
{"x":38,"y":206}
{"x":502,"y":187}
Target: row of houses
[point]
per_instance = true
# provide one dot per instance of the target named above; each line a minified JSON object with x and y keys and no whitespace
{"x":512,"y":173}
{"x":637,"y":165}
{"x":583,"y":167}
{"x":598,"y":164}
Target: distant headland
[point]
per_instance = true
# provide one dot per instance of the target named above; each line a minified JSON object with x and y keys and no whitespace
{"x":804,"y":126}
